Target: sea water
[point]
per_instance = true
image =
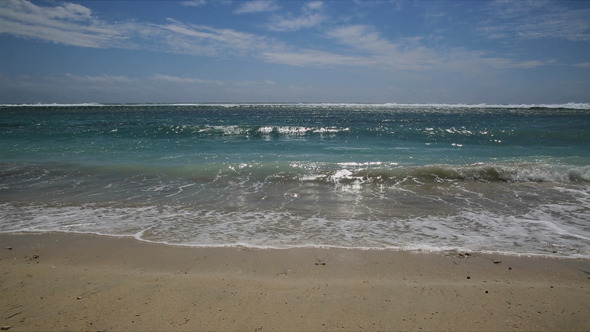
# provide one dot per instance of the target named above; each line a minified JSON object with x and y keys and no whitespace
{"x":512,"y":179}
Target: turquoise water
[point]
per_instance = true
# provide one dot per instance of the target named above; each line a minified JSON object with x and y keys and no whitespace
{"x":513,"y":179}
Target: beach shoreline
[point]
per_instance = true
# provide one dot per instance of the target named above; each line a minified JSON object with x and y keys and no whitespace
{"x":64,"y":281}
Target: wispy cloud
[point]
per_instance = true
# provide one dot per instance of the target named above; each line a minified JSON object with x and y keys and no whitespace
{"x":365,"y":47}
{"x":527,"y":64}
{"x":312,"y":58}
{"x":357,"y":45}
{"x":110,"y":88}
{"x":205,"y":40}
{"x":101,"y":78}
{"x":257,"y":6}
{"x":196,"y":80}
{"x":311,"y":16}
{"x":536,"y":20}
{"x":184,"y":80}
{"x":193,"y":3}
{"x":75,"y":25}
{"x":69,"y":24}
{"x":470,"y":61}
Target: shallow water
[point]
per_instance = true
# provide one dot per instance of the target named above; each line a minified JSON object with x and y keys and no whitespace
{"x":510,"y":179}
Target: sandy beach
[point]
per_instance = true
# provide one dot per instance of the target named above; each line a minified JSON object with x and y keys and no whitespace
{"x":71,"y":282}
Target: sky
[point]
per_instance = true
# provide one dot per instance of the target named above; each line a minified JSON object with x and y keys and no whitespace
{"x":333,"y":51}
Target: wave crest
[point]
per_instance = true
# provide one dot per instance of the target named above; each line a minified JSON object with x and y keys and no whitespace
{"x":449,"y":173}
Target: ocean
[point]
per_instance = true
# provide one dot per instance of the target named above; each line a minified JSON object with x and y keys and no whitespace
{"x":510,"y":179}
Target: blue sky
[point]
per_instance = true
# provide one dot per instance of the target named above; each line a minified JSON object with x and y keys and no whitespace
{"x":495,"y":52}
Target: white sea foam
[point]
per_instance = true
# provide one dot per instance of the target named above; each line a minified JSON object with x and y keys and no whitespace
{"x":53,"y":105}
{"x":266,"y":130}
{"x":571,"y":105}
{"x":341,"y":175}
{"x":537,"y":232}
{"x":362,"y":164}
{"x":543,"y":173}
{"x":294,"y":130}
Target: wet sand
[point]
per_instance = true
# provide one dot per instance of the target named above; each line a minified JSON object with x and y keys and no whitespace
{"x":71,"y":282}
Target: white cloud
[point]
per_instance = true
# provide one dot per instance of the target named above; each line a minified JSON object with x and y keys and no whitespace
{"x":70,"y":88}
{"x":480,"y":58}
{"x":254,"y":83}
{"x":311,"y":16}
{"x":176,"y":79}
{"x":75,"y":25}
{"x":377,"y":51}
{"x":69,"y":24}
{"x":193,"y":3}
{"x":359,"y":45}
{"x":582,"y":65}
{"x":361,"y":37}
{"x":101,"y":79}
{"x":195,"y":80}
{"x":528,"y":64}
{"x":313,"y":58}
{"x":536,"y":20}
{"x":295,"y":23}
{"x":204,"y":40}
{"x":257,"y":6}
{"x":365,"y":47}
{"x":314,"y":5}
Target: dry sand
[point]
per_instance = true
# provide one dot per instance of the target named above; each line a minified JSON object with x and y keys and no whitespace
{"x":81,"y":282}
